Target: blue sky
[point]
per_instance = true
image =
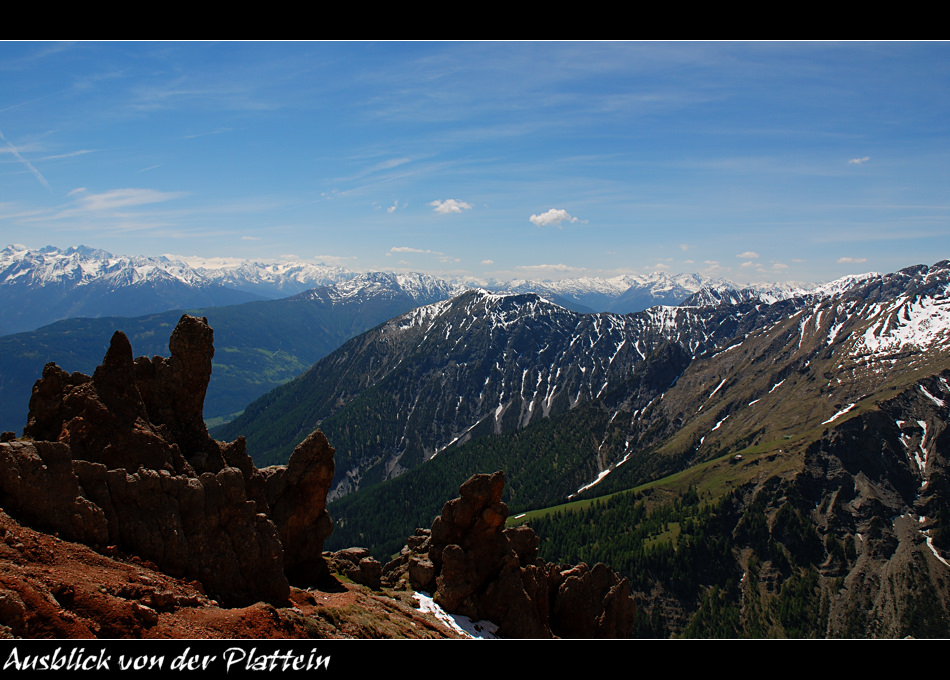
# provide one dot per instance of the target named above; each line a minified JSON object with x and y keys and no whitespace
{"x":753,"y":161}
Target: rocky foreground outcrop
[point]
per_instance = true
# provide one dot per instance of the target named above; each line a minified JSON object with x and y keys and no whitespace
{"x":476,"y":567}
{"x":123,"y":458}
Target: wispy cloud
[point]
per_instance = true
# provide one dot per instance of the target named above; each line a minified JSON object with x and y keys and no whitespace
{"x":747,"y":255}
{"x":71,"y":154}
{"x":125,"y":198}
{"x":852,"y":260}
{"x":336,"y":260}
{"x":219,"y":131}
{"x":859,"y":161}
{"x":449,"y":206}
{"x":25,"y":162}
{"x":206,"y":262}
{"x":201,"y":90}
{"x":115,"y":209}
{"x":389,"y":164}
{"x":553,"y":217}
{"x":550,"y":268}
{"x":774,"y":268}
{"x":442,"y":257}
{"x":407,"y":249}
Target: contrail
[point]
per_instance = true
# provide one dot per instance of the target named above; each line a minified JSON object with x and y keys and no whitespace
{"x":27,"y":163}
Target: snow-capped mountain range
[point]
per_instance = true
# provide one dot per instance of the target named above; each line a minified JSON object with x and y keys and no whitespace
{"x":40,"y":286}
{"x":84,"y":266}
{"x":486,"y":363}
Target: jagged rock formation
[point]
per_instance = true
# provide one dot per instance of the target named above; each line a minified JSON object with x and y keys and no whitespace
{"x":174,"y":389}
{"x":297,"y":496}
{"x":123,"y":458}
{"x":476,"y":567}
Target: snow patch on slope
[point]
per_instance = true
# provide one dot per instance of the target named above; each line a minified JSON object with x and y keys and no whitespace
{"x":902,"y":324}
{"x":839,"y":414}
{"x":479,"y":630}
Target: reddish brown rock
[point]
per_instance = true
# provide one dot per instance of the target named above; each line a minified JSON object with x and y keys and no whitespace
{"x":124,"y":458}
{"x":482,"y":570}
{"x":37,"y":478}
{"x":202,"y":528}
{"x":102,"y":418}
{"x":297,"y":496}
{"x":592,"y":603}
{"x":173,"y":391}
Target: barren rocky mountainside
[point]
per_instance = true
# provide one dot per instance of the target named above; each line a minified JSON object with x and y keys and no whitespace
{"x":122,"y":518}
{"x":478,"y":364}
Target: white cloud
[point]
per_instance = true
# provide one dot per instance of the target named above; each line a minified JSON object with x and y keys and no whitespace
{"x":747,"y":254}
{"x":488,"y":262}
{"x":851,"y":260}
{"x":554,"y":216}
{"x":450,"y":206}
{"x":391,"y":209}
{"x":859,"y":161}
